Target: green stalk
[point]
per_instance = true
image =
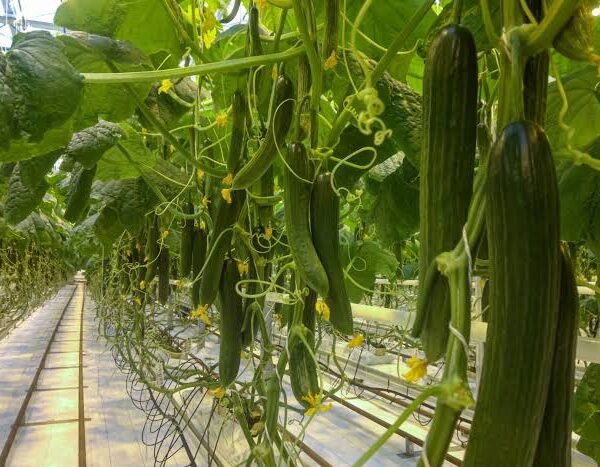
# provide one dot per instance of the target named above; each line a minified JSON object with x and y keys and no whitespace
{"x":225,"y":66}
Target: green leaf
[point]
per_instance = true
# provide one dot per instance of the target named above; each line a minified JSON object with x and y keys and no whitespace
{"x":88,"y":146}
{"x":587,"y":397}
{"x":589,"y":448}
{"x":27,"y":186}
{"x":96,"y":54}
{"x":579,"y":189}
{"x":368,"y":260}
{"x":583,"y":112}
{"x":39,"y":91}
{"x":147,"y":23}
{"x":395,"y":211}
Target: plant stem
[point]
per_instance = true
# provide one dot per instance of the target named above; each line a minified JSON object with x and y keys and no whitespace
{"x":226,"y":66}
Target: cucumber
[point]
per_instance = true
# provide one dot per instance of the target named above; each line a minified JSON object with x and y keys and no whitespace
{"x":152,"y":248}
{"x":296,"y":201}
{"x":330,"y":35}
{"x":226,"y":216}
{"x":554,"y":443}
{"x":281,"y":118}
{"x":523,"y":240}
{"x":237,"y":143}
{"x":230,"y":327}
{"x":186,"y":243}
{"x":259,"y":80}
{"x":324,"y":222}
{"x":79,"y":192}
{"x":447,"y":165}
{"x":303,"y":371}
{"x":164,"y":288}
{"x":198,"y":257}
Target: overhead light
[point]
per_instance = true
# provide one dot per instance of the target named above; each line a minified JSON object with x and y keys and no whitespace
{"x":596,"y":12}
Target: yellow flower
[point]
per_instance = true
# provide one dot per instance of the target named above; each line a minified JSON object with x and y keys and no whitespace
{"x":356,"y":341}
{"x":165,"y":86}
{"x":217,"y":393}
{"x":164,"y":234}
{"x":138,"y":300}
{"x":226,"y":194}
{"x":228,"y":181}
{"x":261,"y":5}
{"x":210,"y":21}
{"x":142,"y":284}
{"x":315,"y":406}
{"x":202,"y":225}
{"x":200,"y":175}
{"x":268,"y":233}
{"x":418,"y":369}
{"x":331,"y":61}
{"x":202,"y":313}
{"x":209,"y":38}
{"x":205,"y":202}
{"x":323,"y":309}
{"x":221,"y":119}
{"x":243,"y":267}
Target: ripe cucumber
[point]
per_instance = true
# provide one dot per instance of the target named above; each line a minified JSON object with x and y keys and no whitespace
{"x":296,"y":201}
{"x":198,"y":257}
{"x":303,"y":371}
{"x":232,"y":319}
{"x":523,"y":240}
{"x":554,"y":443}
{"x":164,"y":288}
{"x":281,"y":119}
{"x":324,"y":222}
{"x":186,"y":243}
{"x":447,"y":165}
{"x":237,"y":143}
{"x":79,"y":192}
{"x":226,"y":216}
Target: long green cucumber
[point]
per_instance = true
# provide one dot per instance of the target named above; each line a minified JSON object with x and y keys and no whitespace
{"x":324,"y":223}
{"x":447,"y":165}
{"x":237,"y":143}
{"x":221,"y":234}
{"x":296,"y":202}
{"x":230,"y":328}
{"x":522,"y":221}
{"x":303,"y":371}
{"x":164,"y":288}
{"x":79,"y":192}
{"x":265,"y":155}
{"x":554,"y":443}
{"x":186,"y":242}
{"x":199,"y":245}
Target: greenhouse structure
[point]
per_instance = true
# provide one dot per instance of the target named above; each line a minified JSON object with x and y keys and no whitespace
{"x":300,"y":233}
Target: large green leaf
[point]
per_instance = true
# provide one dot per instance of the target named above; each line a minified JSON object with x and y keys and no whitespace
{"x":39,"y":92}
{"x":583,"y":112}
{"x":368,"y":260}
{"x":27,"y":186}
{"x":395,"y":211}
{"x":146,"y":23}
{"x":586,"y":414}
{"x":88,"y":145}
{"x":96,"y":54}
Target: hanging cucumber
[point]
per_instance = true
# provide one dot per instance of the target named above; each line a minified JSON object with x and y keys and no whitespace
{"x":554,"y":443}
{"x":230,"y":328}
{"x":324,"y":222}
{"x":281,"y":118}
{"x":303,"y":371}
{"x":447,"y":164}
{"x":186,"y":243}
{"x":296,"y":201}
{"x":79,"y":192}
{"x":219,"y":244}
{"x":523,"y":239}
{"x":198,"y":257}
{"x":237,"y":143}
{"x":164,"y":288}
